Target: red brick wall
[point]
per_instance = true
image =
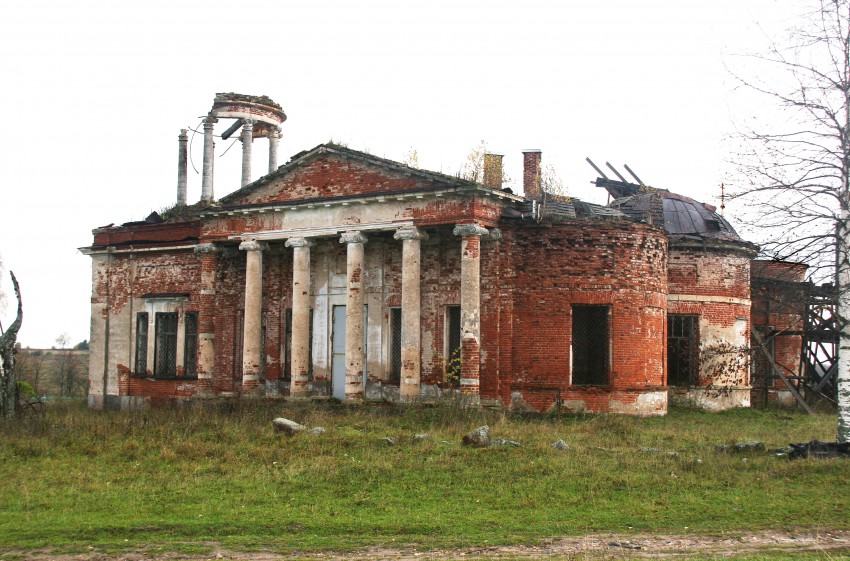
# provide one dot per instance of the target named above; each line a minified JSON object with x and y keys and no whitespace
{"x":331,"y":176}
{"x":544,"y":271}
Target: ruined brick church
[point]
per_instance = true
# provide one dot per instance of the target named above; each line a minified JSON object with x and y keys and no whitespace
{"x":343,"y":275}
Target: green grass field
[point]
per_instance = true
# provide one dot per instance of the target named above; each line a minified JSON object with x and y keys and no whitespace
{"x":182,"y":479}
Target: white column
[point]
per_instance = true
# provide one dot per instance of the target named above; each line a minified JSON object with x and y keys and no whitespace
{"x":411,"y":344}
{"x":182,"y":165}
{"x":355,"y":357}
{"x":209,"y":146}
{"x":274,"y":140}
{"x":247,"y":146}
{"x":470,"y":306}
{"x":208,"y":256}
{"x":252,"y":330}
{"x":300,"y":359}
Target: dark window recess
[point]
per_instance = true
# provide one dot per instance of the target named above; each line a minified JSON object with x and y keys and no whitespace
{"x":263,"y":353}
{"x":682,"y":350}
{"x":141,"y":343}
{"x":165,"y":346}
{"x":453,"y":331}
{"x":395,"y":344}
{"x":310,"y":347}
{"x":591,"y":345}
{"x":287,"y":350}
{"x":237,"y":344}
{"x":190,"y":347}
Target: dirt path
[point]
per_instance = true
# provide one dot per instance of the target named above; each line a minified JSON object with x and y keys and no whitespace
{"x":591,"y":547}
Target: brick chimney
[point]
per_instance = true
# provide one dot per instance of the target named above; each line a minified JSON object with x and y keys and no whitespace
{"x":493,"y":171}
{"x":531,"y":173}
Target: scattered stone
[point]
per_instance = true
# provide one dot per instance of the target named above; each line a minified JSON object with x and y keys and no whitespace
{"x":287,"y":427}
{"x":391,"y":441}
{"x":817,"y":449}
{"x":625,"y":545}
{"x":503,"y":442}
{"x":560,"y":445}
{"x":671,"y":453}
{"x":740,"y":447}
{"x":479,"y":438}
{"x":316,"y":431}
{"x":423,"y":436}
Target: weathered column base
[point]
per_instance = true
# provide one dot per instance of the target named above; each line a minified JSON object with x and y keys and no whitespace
{"x":712,"y":399}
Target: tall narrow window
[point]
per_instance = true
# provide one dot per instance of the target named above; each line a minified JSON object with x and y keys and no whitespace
{"x":141,"y":343}
{"x":165,"y":346}
{"x":287,"y":350}
{"x":237,"y":344}
{"x":452,"y":331}
{"x":591,"y":345}
{"x":395,"y":344}
{"x":190,"y":354}
{"x":682,"y":350}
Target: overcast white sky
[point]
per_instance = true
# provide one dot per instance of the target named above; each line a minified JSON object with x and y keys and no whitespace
{"x":95,"y":92}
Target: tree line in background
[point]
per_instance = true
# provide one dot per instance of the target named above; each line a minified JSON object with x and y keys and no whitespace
{"x":60,"y":371}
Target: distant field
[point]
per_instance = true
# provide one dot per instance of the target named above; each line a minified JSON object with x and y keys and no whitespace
{"x":185,"y":479}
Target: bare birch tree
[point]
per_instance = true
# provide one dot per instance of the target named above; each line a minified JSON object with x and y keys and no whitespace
{"x":797,"y":161}
{"x":8,"y":380}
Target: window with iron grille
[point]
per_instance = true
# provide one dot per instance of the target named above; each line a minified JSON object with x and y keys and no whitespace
{"x":190,"y":347}
{"x":141,"y":343}
{"x":238,"y":324}
{"x":395,"y":344}
{"x":682,"y":349}
{"x":165,"y":346}
{"x":591,"y":345}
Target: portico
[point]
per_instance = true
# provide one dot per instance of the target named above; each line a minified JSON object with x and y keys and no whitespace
{"x":327,"y":299}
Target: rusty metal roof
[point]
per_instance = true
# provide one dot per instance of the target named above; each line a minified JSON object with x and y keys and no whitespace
{"x":682,"y":215}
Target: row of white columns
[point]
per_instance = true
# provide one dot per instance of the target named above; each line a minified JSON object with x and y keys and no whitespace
{"x":247,"y":139}
{"x":411,"y":344}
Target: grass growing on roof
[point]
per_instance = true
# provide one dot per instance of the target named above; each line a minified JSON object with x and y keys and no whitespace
{"x":75,"y":478}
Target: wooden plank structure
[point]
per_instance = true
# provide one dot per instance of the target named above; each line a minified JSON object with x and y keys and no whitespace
{"x":816,"y":377}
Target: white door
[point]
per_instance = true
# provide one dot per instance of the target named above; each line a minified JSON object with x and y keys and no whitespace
{"x":338,"y":353}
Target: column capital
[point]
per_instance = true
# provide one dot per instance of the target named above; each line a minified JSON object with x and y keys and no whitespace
{"x":207,"y":248}
{"x":353,"y":236}
{"x":248,"y":124}
{"x":253,"y":245}
{"x":410,"y":233}
{"x":274,"y":132}
{"x":210,"y":120}
{"x":494,"y":235}
{"x":466,"y":230}
{"x":299,"y":242}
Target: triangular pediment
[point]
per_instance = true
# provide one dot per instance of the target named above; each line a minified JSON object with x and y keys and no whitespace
{"x":335,"y":172}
